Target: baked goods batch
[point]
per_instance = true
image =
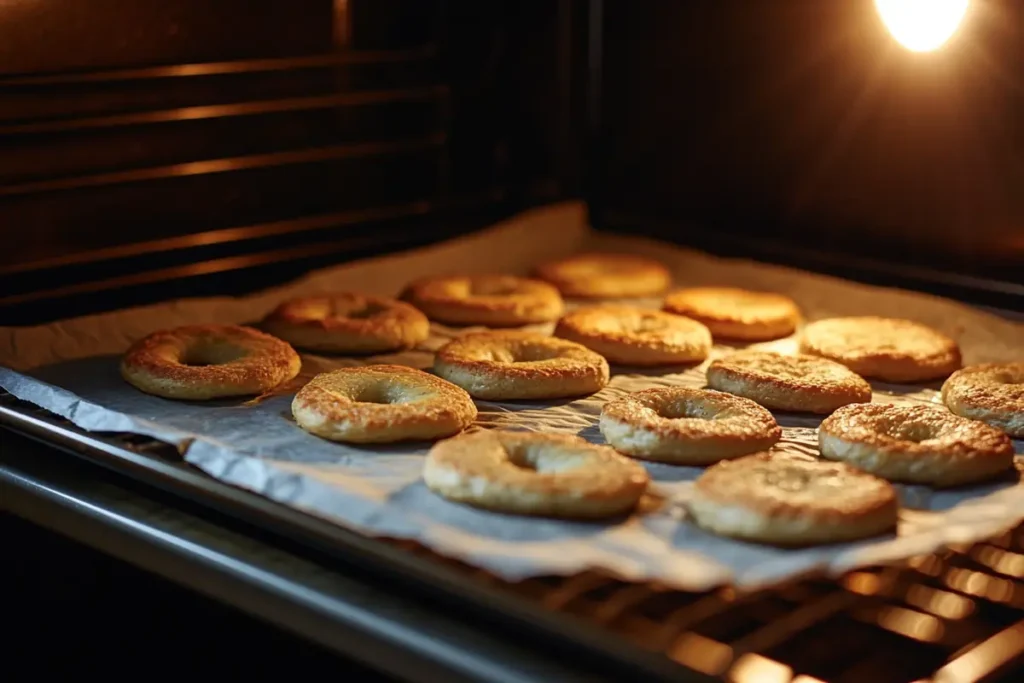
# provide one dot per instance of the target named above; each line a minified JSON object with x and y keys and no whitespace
{"x":746,"y":492}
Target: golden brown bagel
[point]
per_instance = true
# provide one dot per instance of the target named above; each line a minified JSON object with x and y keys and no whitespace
{"x":799,"y":382}
{"x":201,"y":362}
{"x":492,"y":300}
{"x":526,"y":473}
{"x":687,"y":426}
{"x":636,"y":336}
{"x":347,"y":322}
{"x":917,"y":444}
{"x":990,"y":392}
{"x":732,"y":313}
{"x":792,"y":502}
{"x":520,"y":365}
{"x":606,"y":276}
{"x":888,"y":349}
{"x":381,"y":404}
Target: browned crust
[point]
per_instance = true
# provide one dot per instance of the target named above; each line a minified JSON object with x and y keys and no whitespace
{"x":642,"y":409}
{"x":889,"y":349}
{"x":153,"y":364}
{"x":506,"y":471}
{"x":619,"y":334}
{"x":788,"y":382}
{"x":736,"y":313}
{"x":348,"y":321}
{"x":880,"y":426}
{"x":459,"y":454}
{"x":741,"y":482}
{"x":464,"y":299}
{"x":989,"y":391}
{"x":604,"y":275}
{"x":573,"y":361}
{"x":326,"y":395}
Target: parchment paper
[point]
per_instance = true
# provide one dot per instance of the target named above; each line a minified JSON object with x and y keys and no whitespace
{"x":70,"y":368}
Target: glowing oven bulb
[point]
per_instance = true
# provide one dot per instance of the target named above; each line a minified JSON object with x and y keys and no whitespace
{"x":922,"y":25}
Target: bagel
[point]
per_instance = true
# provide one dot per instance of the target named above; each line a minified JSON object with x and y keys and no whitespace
{"x":736,"y":313}
{"x":381,"y":404}
{"x":888,"y":349}
{"x":687,"y":426}
{"x":525,"y":473}
{"x":491,"y":300}
{"x":635,"y":336}
{"x":500,"y":366}
{"x":203,"y":362}
{"x":799,"y":382}
{"x":606,"y":276}
{"x":915,"y":444}
{"x":991,"y":392}
{"x":792,"y":502}
{"x":348,"y":323}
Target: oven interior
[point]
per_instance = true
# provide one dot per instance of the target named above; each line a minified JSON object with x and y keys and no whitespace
{"x":158,"y":149}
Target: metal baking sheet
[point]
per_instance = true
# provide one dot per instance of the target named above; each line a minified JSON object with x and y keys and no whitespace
{"x":71,"y":369}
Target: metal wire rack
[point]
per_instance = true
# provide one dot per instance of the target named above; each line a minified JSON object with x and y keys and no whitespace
{"x":956,"y":615}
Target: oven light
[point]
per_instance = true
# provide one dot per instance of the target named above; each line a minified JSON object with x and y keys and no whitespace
{"x":922,"y":25}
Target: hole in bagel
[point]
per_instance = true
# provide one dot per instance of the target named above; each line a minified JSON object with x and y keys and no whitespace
{"x":521,"y":352}
{"x":915,"y":432}
{"x":367,"y":310}
{"x":326,"y":308}
{"x":674,"y":410}
{"x":492,"y":288}
{"x":649,"y":323}
{"x":382,"y":394}
{"x":212,"y":353}
{"x":540,"y":459}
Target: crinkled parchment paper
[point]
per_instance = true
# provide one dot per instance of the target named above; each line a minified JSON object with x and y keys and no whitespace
{"x":70,"y":368}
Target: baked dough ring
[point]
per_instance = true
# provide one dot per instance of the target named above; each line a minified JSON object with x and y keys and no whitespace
{"x":491,"y":300}
{"x":636,"y":336}
{"x":915,"y":444}
{"x":348,"y":323}
{"x":520,"y":365}
{"x":606,"y":276}
{"x":736,"y":313}
{"x":991,"y":392}
{"x":799,"y":382}
{"x":792,"y":502}
{"x":687,"y":426}
{"x":381,"y":404}
{"x":527,"y":473}
{"x":202,"y":362}
{"x":888,"y":349}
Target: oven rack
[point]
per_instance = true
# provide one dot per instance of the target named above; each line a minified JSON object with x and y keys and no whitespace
{"x":956,"y":615}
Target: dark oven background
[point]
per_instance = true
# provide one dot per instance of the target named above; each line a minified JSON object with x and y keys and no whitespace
{"x":800,"y":131}
{"x":152,"y":149}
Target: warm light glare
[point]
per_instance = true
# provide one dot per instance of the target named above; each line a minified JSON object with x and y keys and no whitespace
{"x":922,"y":25}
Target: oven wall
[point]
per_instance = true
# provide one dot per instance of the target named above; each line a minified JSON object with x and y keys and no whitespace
{"x":803,"y":125}
{"x":152,"y":149}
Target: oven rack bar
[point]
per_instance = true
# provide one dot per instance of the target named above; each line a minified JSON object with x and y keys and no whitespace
{"x":355,"y":98}
{"x":341,"y":58}
{"x":288,"y":248}
{"x":951,"y":616}
{"x":247,"y":162}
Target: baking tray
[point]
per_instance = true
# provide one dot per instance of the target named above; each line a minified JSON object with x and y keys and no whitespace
{"x":643,"y":629}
